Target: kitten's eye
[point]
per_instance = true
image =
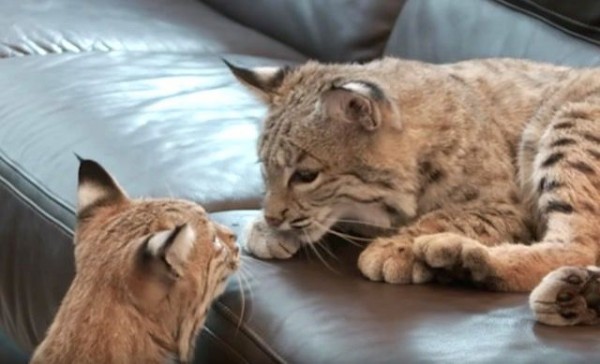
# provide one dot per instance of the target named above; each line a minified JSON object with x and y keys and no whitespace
{"x":304,"y":176}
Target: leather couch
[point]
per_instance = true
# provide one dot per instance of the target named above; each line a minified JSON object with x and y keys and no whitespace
{"x":139,"y":85}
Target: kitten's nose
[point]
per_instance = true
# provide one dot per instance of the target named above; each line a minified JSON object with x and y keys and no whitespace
{"x":273,"y":221}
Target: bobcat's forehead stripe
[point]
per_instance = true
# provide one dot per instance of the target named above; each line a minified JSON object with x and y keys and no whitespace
{"x":553,"y":159}
{"x":548,"y":185}
{"x":563,"y":142}
{"x":590,"y":137}
{"x":564,"y":125}
{"x":558,"y":206}
{"x":593,"y":153}
{"x":582,"y":167}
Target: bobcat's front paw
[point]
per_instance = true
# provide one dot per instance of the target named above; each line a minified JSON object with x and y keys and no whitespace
{"x":391,"y":261}
{"x":568,"y":296}
{"x":263,"y":242}
{"x":457,"y":255}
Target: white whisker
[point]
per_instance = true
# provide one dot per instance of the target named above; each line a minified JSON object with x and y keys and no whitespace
{"x":323,"y":246}
{"x":320,"y":257}
{"x":364,"y":223}
{"x":347,"y":237}
{"x":243,"y":301}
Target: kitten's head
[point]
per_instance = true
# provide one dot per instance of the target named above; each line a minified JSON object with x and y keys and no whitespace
{"x":162,"y":256}
{"x":321,"y":149}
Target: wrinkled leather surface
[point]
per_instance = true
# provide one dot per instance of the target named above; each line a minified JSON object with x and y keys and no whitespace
{"x":441,"y":31}
{"x":180,"y":122}
{"x":335,"y":31}
{"x":69,"y":26}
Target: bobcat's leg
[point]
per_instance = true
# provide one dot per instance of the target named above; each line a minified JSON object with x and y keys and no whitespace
{"x":391,"y":259}
{"x":566,"y":173}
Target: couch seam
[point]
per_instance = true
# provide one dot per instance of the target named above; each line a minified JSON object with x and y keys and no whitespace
{"x":36,"y":207}
{"x":215,"y":338}
{"x":251,"y":334}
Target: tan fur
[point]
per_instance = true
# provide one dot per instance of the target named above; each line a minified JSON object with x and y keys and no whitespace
{"x":459,"y":162}
{"x":129,"y":304}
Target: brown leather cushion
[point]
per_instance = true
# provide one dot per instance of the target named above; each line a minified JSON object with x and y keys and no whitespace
{"x":301,"y":311}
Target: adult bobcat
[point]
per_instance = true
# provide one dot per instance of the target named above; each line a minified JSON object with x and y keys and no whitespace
{"x":450,"y":166}
{"x":147,"y":272}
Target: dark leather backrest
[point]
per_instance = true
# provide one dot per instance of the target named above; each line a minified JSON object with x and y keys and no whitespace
{"x":340,"y":30}
{"x":442,"y":31}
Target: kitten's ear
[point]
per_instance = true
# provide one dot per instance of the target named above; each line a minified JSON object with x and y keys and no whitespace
{"x":96,"y":187}
{"x":359,"y":102}
{"x":170,"y":249}
{"x":263,"y":81}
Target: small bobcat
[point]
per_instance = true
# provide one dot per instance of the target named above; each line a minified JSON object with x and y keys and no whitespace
{"x":459,"y":162}
{"x":146,"y":274}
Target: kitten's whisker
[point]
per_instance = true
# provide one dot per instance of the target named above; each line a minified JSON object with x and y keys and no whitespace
{"x":320,"y":257}
{"x":305,"y":251}
{"x":349,"y":240}
{"x":243,"y":283}
{"x":324,"y":246}
{"x":243,"y":301}
{"x":323,"y":260}
{"x":349,"y":236}
{"x":245,"y":270}
{"x":250,"y":259}
{"x":169,"y":191}
{"x":364,"y":223}
{"x":346,"y":237}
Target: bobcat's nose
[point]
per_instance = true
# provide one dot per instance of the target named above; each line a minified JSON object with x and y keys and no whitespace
{"x":273,"y":221}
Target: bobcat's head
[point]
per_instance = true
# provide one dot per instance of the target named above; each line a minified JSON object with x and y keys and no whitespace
{"x":327,"y":149}
{"x":161,"y":259}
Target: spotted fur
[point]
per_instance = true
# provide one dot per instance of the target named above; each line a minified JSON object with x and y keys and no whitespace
{"x":147,"y":271}
{"x":467,"y":163}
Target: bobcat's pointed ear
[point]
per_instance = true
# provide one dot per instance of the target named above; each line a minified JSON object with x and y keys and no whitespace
{"x":263,"y":81}
{"x":171,"y":249}
{"x":360,"y":102}
{"x":96,"y":187}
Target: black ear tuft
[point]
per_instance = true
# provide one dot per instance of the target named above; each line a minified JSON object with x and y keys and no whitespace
{"x":264,"y":81}
{"x":91,"y":171}
{"x":96,"y":186}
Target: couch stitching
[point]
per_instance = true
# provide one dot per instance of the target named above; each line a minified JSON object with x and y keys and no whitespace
{"x":251,"y":334}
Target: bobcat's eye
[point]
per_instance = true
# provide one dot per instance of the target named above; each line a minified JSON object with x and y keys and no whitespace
{"x":304,"y":176}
